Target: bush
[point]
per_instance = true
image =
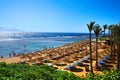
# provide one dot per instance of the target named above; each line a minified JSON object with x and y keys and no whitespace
{"x":43,"y":72}
{"x":27,"y":72}
{"x":107,"y":75}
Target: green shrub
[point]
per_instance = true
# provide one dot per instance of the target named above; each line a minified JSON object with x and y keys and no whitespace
{"x":107,"y":75}
{"x":43,"y":72}
{"x":27,"y":72}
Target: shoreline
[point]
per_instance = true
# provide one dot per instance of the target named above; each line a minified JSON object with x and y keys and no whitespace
{"x":12,"y":55}
{"x":18,"y":55}
{"x":37,"y":41}
{"x":62,"y":57}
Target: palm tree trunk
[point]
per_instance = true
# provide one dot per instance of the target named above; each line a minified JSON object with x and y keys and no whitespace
{"x":104,"y":32}
{"x":90,"y":54}
{"x":109,"y":37}
{"x":109,"y":33}
{"x":114,"y":37}
{"x":117,"y":53}
{"x":111,"y":43}
{"x":96,"y":52}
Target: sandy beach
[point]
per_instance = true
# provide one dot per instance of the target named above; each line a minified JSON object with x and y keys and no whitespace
{"x":73,"y":57}
{"x":9,"y":60}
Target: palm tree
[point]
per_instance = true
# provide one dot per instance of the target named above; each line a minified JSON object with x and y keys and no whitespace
{"x":118,"y":46}
{"x":97,"y":31}
{"x":110,"y":37}
{"x":109,"y":30}
{"x":104,"y":27}
{"x":114,"y":32}
{"x":90,"y":27}
{"x":115,"y":41}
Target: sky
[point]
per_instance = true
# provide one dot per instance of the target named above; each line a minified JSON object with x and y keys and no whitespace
{"x":57,"y":15}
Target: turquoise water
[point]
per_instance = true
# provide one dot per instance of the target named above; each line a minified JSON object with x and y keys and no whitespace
{"x":30,"y":42}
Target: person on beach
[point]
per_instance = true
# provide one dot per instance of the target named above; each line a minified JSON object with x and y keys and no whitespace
{"x":9,"y":54}
{"x":1,"y":57}
{"x":14,"y":54}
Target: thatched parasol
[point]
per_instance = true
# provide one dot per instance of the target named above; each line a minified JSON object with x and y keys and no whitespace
{"x":60,"y":63}
{"x":70,"y":60}
{"x":36,"y":62}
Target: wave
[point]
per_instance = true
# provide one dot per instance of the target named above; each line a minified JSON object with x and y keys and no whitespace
{"x":37,"y":35}
{"x":10,"y":39}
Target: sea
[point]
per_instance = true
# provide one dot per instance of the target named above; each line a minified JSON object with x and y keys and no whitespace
{"x":25,"y":42}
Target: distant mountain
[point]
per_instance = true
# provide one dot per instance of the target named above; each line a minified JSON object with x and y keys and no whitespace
{"x":2,"y":29}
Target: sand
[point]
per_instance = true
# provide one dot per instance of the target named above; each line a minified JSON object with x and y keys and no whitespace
{"x":10,"y":60}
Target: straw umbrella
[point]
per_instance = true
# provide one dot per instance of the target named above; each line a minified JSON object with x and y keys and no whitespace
{"x":60,"y":63}
{"x":70,"y":59}
{"x":36,"y":62}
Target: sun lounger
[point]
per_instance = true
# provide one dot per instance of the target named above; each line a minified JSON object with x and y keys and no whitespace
{"x":50,"y":64}
{"x":101,"y":62}
{"x":70,"y":67}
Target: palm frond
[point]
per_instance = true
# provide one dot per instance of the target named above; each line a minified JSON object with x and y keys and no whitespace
{"x":109,"y":27}
{"x":105,"y":26}
{"x":97,"y":29}
{"x":90,"y":26}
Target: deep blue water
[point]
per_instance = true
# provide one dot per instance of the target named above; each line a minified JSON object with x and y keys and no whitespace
{"x":35,"y":41}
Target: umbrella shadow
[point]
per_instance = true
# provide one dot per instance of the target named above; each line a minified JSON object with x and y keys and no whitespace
{"x":86,"y":61}
{"x":61,"y":64}
{"x":76,"y":69}
{"x":105,"y":66}
{"x":108,"y":61}
{"x":55,"y":67}
{"x":69,"y":61}
{"x":82,"y":65}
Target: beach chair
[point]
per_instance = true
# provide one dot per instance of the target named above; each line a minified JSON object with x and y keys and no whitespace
{"x":70,"y":67}
{"x":102,"y":61}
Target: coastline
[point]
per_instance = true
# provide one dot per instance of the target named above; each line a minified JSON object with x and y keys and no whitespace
{"x":36,"y":41}
{"x":8,"y":59}
{"x":62,"y":57}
